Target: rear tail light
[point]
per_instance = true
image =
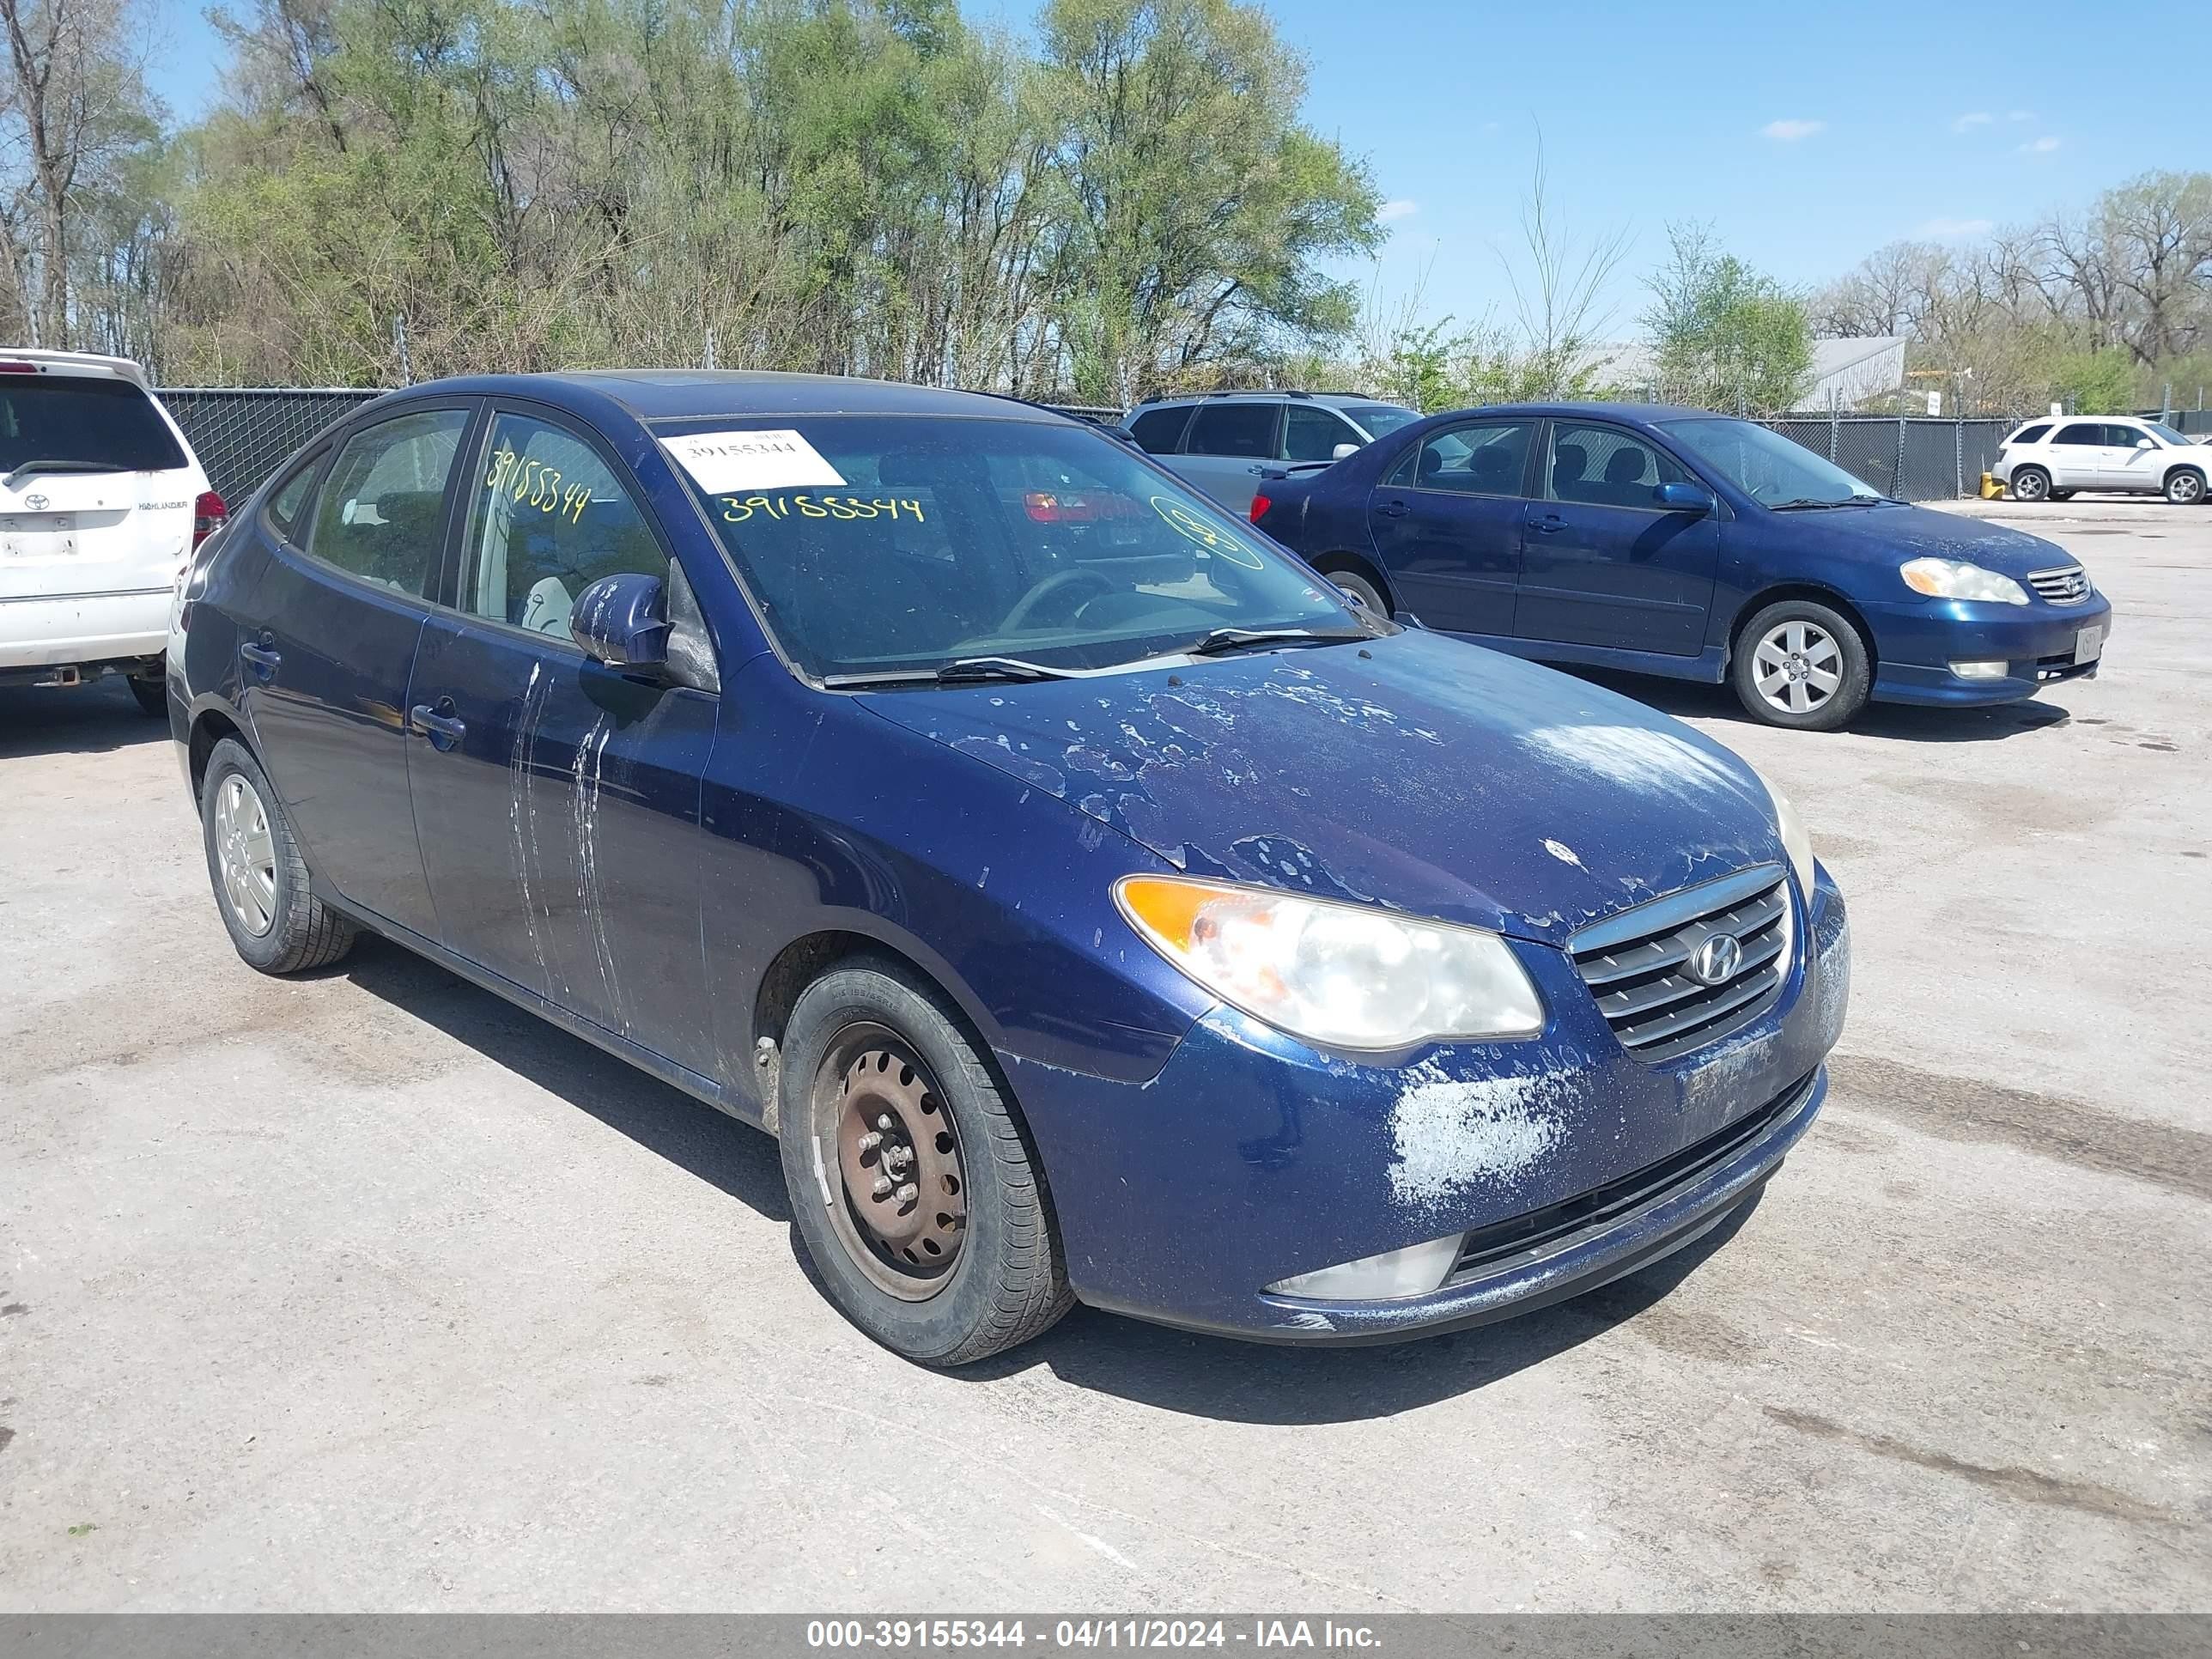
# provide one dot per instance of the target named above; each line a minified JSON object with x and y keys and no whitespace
{"x":208,"y":515}
{"x":13,"y":368}
{"x":1260,"y":506}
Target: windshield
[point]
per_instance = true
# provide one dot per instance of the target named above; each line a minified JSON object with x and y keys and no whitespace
{"x":1767,"y":466}
{"x":899,"y":542}
{"x":108,"y":422}
{"x":2166,"y":434}
{"x":1379,"y":418}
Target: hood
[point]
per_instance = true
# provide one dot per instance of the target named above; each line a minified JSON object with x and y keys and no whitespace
{"x":1894,"y":534}
{"x":1426,"y":774}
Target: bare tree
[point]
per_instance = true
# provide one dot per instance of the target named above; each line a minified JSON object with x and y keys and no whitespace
{"x":1558,"y":299}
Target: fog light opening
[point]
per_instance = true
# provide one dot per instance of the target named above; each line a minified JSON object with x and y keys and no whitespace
{"x":1414,"y":1271}
{"x":1978,"y":670}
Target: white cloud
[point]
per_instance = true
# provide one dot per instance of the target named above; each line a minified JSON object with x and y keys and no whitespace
{"x":1980,"y":118}
{"x":1944,"y":230}
{"x":1399,"y":209}
{"x":2040,"y":146}
{"x":1790,"y":131}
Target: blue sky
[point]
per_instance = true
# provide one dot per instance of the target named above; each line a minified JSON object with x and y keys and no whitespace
{"x":1810,"y":135}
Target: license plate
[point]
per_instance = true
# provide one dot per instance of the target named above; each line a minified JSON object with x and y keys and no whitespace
{"x":37,"y":535}
{"x":2088,"y":643}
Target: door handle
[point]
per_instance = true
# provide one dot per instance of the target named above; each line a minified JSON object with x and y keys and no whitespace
{"x":1550,"y":525}
{"x":261,"y":657}
{"x":444,"y":730}
{"x":1393,"y":510}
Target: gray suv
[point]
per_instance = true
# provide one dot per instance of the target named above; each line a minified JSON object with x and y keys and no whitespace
{"x":1221,"y":441}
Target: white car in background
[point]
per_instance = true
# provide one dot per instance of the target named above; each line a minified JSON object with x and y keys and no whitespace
{"x":101,"y":505}
{"x":2049,"y":459}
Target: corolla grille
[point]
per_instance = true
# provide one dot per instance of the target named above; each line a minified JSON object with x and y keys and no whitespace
{"x":2067,"y":587}
{"x":1682,"y":971}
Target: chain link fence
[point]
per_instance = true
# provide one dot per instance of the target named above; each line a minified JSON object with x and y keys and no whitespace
{"x":243,"y":434}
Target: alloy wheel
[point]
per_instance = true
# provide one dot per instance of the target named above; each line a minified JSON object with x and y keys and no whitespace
{"x":1797,"y":666}
{"x":246,"y":853}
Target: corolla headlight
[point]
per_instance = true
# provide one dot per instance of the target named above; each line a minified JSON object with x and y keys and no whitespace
{"x":1954,"y":579}
{"x":1341,"y":975}
{"x":1796,"y":841}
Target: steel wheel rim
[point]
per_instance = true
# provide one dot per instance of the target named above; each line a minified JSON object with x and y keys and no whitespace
{"x":1797,"y":666}
{"x":245,"y":854}
{"x":888,"y":1156}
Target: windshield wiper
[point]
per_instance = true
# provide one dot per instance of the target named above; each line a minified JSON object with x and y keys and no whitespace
{"x":65,"y":466}
{"x":1807,"y":504}
{"x":1222,"y":640}
{"x":961,"y":670}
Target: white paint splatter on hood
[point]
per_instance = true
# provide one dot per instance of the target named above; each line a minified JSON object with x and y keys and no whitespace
{"x":1450,"y":1135}
{"x":1639,"y":757}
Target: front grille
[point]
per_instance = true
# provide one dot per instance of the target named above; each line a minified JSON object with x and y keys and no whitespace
{"x":1506,"y":1244}
{"x":2067,"y":587}
{"x":1638,"y":965}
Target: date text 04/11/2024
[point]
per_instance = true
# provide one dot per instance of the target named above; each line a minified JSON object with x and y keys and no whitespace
{"x":1086,"y":1633}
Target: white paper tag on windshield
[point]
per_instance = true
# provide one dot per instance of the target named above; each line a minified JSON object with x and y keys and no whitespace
{"x":726,"y":462}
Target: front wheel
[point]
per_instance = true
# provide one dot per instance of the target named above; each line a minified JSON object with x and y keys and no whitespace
{"x":2184,"y":486}
{"x":261,"y":886}
{"x":913,"y":1189}
{"x":1800,"y":664}
{"x":2030,"y":483}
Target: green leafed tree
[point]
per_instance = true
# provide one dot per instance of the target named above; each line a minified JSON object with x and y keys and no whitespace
{"x":1724,"y":336}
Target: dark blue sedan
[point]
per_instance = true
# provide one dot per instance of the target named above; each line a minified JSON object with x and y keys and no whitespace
{"x":1094,"y":903}
{"x":1669,"y":541}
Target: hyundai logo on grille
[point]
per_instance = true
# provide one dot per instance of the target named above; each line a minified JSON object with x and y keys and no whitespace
{"x":1716,"y":960}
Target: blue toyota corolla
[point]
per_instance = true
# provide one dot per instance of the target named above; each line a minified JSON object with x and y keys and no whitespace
{"x":1673,"y":542}
{"x":1094,"y":903}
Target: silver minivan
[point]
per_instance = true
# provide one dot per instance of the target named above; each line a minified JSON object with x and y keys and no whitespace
{"x":1222,"y":441}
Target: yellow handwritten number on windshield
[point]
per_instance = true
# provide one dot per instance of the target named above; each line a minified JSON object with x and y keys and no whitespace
{"x":1212,"y":538}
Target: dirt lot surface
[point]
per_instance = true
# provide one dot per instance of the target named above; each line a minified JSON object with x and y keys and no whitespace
{"x":367,"y":1291}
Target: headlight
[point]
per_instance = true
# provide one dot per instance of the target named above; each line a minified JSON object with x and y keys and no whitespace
{"x":1953,"y":579}
{"x":1341,"y":975}
{"x":1795,"y":840}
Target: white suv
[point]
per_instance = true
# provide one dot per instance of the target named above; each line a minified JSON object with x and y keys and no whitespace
{"x":2049,"y":459}
{"x":101,"y":505}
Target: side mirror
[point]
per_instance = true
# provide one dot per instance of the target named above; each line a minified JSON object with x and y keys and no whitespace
{"x":623,"y":622}
{"x":1343,"y":450}
{"x":2145,"y":443}
{"x":1684,"y":498}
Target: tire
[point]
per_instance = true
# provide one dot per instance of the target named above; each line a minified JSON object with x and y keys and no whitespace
{"x":1807,"y":654}
{"x":1005,"y":1281}
{"x":1362,"y":590}
{"x":2030,"y":483}
{"x":2184,"y":486}
{"x":275,"y":920}
{"x":2062,"y":494}
{"x":153,"y":697}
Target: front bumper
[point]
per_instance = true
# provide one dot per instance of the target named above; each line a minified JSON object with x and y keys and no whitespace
{"x":1918,"y":642}
{"x":1565,"y":1162}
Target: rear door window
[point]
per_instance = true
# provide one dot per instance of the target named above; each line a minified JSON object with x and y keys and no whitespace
{"x":381,"y":512}
{"x":2088,"y":434}
{"x":84,"y":418}
{"x":291,"y":496}
{"x":1483,"y":458}
{"x":547,"y":519}
{"x":1238,"y":429}
{"x":1160,"y":430}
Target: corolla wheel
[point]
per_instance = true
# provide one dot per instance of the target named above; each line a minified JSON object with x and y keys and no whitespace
{"x":1797,"y":665}
{"x":901,"y":1205}
{"x":247,"y":854}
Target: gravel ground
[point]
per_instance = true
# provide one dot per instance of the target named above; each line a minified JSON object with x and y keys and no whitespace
{"x":367,"y":1291}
